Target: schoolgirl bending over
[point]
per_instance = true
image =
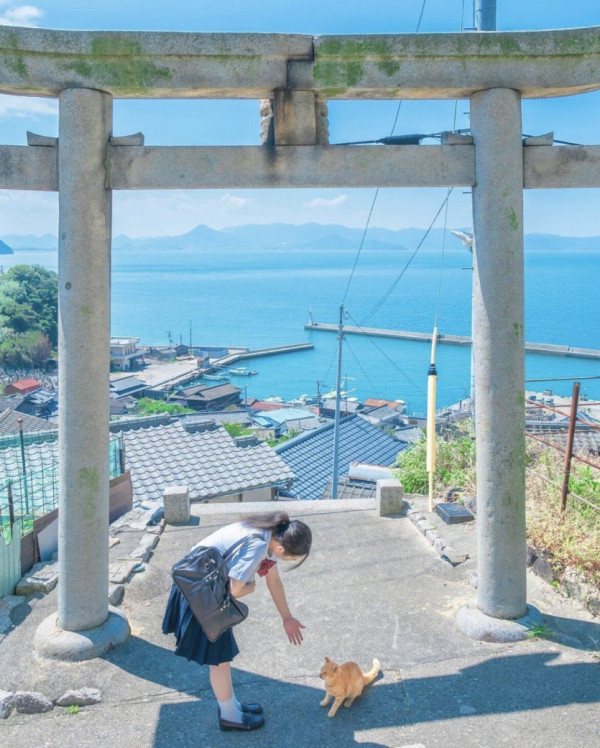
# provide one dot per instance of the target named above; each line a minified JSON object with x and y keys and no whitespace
{"x":279,"y":539}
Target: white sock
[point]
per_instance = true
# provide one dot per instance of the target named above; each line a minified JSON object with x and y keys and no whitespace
{"x":237,"y":703}
{"x":230,"y":710}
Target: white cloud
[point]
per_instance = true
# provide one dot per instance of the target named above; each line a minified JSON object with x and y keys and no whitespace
{"x":27,"y":106}
{"x":235,"y":202}
{"x":21,"y":15}
{"x":321,"y":202}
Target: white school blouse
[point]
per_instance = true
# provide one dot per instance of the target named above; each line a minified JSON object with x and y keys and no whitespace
{"x":248,"y":556}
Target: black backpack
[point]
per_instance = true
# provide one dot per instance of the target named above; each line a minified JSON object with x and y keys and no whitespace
{"x":203,"y":580}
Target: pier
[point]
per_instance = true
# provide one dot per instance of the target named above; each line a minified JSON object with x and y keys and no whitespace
{"x":544,"y":348}
{"x":233,"y":358}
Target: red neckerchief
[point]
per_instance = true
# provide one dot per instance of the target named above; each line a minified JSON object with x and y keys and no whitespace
{"x":264,"y":567}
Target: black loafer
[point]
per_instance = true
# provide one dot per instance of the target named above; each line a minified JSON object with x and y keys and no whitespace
{"x":252,"y":708}
{"x":249,"y":722}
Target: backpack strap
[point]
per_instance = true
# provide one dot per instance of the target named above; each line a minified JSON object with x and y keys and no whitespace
{"x":229,"y":552}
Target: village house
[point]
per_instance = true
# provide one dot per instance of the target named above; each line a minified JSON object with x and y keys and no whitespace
{"x":125,"y":355}
{"x":164,"y":451}
{"x":310,"y":455}
{"x":202,"y":397}
{"x":22,"y":387}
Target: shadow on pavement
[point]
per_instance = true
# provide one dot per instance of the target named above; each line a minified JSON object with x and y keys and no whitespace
{"x":504,"y":684}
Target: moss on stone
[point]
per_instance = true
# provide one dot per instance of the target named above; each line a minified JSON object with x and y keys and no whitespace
{"x":14,"y":60}
{"x":512,"y":219}
{"x":89,"y":487}
{"x":118,"y":62}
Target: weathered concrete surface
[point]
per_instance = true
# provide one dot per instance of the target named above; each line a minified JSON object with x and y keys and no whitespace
{"x":561,"y":167}
{"x":176,"y":501}
{"x":85,"y":125}
{"x":188,"y":167}
{"x":452,"y":66}
{"x":372,"y":587}
{"x":28,"y":168}
{"x":498,"y":352}
{"x":135,"y":167}
{"x":42,"y":62}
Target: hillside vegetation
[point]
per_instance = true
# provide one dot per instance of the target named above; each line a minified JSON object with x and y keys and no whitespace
{"x":569,"y":540}
{"x":28,"y":315}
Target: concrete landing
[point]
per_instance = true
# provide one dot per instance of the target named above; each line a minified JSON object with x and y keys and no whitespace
{"x":373,"y":587}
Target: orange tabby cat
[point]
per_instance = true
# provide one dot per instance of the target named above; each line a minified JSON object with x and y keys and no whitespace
{"x":344,"y":682}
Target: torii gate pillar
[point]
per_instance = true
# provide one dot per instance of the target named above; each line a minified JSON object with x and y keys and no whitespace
{"x":84,"y":627}
{"x":500,"y":613}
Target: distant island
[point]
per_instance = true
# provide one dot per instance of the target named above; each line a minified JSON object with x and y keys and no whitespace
{"x":306,"y":236}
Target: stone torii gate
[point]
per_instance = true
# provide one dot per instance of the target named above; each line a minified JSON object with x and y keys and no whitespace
{"x":294,"y":76}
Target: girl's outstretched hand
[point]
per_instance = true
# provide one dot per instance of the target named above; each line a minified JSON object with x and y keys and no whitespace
{"x":292,"y":628}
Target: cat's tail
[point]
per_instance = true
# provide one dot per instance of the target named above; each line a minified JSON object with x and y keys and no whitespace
{"x":372,"y":674}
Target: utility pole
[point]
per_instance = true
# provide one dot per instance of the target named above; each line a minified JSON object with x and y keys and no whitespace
{"x":485,"y":15}
{"x":336,"y":428}
{"x":318,"y":397}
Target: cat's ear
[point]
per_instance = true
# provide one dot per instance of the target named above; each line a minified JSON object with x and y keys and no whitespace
{"x":327,"y":659}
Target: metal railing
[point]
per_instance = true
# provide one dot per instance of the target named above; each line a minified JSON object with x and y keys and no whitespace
{"x":27,"y":494}
{"x":567,"y":451}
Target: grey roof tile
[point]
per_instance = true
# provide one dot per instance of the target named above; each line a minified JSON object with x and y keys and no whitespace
{"x":161,"y":452}
{"x":310,"y":455}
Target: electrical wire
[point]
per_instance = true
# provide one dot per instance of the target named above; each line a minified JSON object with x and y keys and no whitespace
{"x":384,"y":354}
{"x":368,"y":223}
{"x":366,"y":376}
{"x":388,"y":293}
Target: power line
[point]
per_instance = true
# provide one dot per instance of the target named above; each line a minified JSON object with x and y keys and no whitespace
{"x":384,"y":298}
{"x":366,"y":376}
{"x":384,"y":354}
{"x":368,"y":223}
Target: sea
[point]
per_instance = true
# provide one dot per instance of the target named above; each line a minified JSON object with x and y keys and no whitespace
{"x":261,"y":299}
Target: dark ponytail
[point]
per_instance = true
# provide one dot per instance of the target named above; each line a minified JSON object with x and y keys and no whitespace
{"x":295,"y":536}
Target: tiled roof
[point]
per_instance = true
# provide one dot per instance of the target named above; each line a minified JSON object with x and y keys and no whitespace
{"x":214,"y":393}
{"x":585,"y":443}
{"x":310,"y":455}
{"x":219,"y":416}
{"x":352,"y":489}
{"x":348,"y":406}
{"x":281,"y":415}
{"x":373,"y":402}
{"x":163,"y":452}
{"x":9,"y":423}
{"x":127,"y":384}
{"x":26,"y":385}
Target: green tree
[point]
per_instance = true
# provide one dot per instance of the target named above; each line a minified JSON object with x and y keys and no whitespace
{"x":147,"y":406}
{"x":236,"y":429}
{"x":34,"y":289}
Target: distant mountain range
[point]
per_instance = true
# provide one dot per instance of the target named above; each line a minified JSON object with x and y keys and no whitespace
{"x":307,"y":236}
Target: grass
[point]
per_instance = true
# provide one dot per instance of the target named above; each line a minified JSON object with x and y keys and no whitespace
{"x":148,"y":407}
{"x":540,"y":630}
{"x":571,"y":539}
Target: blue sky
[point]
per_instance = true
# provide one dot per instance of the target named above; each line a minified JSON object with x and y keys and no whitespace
{"x":576,"y":119}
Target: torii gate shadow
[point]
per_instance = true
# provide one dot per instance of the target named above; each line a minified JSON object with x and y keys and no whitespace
{"x":500,"y":685}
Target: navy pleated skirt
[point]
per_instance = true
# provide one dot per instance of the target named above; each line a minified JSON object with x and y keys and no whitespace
{"x":191,"y":641}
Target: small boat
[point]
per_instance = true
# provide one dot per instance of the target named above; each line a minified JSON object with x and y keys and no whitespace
{"x":242,"y":371}
{"x":216,"y":377}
